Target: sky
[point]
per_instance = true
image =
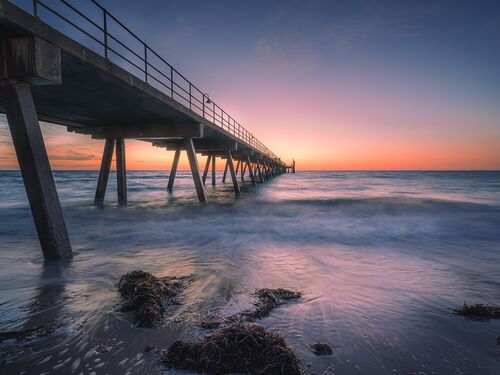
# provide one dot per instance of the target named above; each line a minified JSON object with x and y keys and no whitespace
{"x":332,"y":84}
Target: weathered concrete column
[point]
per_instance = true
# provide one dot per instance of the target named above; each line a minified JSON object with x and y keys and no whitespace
{"x":233,"y":173}
{"x":225,"y":172}
{"x":213,"y":170}
{"x":173,"y":170}
{"x":121,"y":172}
{"x":25,"y":62}
{"x":102,"y":182}
{"x":36,"y":171}
{"x":195,"y":170}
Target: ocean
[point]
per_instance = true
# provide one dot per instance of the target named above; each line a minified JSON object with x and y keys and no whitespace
{"x":382,"y":259}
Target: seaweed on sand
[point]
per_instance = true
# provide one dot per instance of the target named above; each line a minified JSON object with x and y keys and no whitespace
{"x":146,"y":295}
{"x":267,"y":300}
{"x":321,"y":349}
{"x":479,"y":311}
{"x":240,"y":348}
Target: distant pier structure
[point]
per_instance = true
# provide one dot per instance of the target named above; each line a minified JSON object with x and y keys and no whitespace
{"x":112,"y":86}
{"x":290,"y":168}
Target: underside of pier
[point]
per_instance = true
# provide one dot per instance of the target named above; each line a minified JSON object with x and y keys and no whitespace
{"x":45,"y":75}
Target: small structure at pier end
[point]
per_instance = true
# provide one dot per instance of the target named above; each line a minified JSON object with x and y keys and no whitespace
{"x":111,"y":90}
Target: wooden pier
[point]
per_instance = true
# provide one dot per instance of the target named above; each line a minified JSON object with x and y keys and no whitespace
{"x":111,"y":92}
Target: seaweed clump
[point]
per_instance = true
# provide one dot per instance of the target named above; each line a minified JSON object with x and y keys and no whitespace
{"x":267,"y":300}
{"x":321,"y":349}
{"x":240,"y":348}
{"x":479,"y":311}
{"x":146,"y":295}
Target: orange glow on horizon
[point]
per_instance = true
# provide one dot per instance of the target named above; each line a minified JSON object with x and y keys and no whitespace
{"x":71,"y":151}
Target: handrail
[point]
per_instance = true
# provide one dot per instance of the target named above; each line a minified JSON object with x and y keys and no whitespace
{"x":161,"y":75}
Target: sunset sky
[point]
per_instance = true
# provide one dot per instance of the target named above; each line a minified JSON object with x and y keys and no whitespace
{"x":333,"y":84}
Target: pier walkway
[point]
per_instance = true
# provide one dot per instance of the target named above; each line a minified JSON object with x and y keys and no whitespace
{"x":78,"y":66}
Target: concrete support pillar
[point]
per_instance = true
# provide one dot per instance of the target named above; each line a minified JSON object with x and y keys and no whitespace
{"x":173,"y":170}
{"x":233,"y":173}
{"x":36,"y":171}
{"x":195,"y":170}
{"x":213,"y":170}
{"x":225,"y":172}
{"x":121,"y":172}
{"x":102,"y":182}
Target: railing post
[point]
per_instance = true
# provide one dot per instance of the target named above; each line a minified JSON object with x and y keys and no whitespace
{"x":189,"y":95}
{"x":172,"y":82}
{"x":35,"y":8}
{"x":105,"y":27}
{"x":203,"y":103}
{"x":146,"y":61}
{"x":213,"y":112}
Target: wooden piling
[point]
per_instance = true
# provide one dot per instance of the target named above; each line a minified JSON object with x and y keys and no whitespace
{"x":213,"y":170}
{"x":121,"y":172}
{"x":225,"y":172}
{"x":259,"y":172}
{"x":207,"y":165}
{"x":233,"y":173}
{"x":195,"y":170}
{"x":173,"y":170}
{"x":237,"y":168}
{"x":36,"y":171}
{"x":102,"y":182}
{"x":250,"y":171}
{"x":243,"y":169}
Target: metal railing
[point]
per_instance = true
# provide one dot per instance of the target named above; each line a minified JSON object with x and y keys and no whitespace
{"x":142,"y":61}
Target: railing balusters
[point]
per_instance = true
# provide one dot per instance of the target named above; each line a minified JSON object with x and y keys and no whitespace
{"x":221,"y":118}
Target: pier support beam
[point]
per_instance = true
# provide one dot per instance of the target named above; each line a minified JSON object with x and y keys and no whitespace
{"x":36,"y":171}
{"x":121,"y":172}
{"x":259,"y":172}
{"x":250,"y":171}
{"x":233,"y":173}
{"x":102,"y":182}
{"x":225,"y":172}
{"x":243,"y":169}
{"x":195,"y":170}
{"x":237,"y":168}
{"x":213,"y":170}
{"x":207,"y":165}
{"x":173,"y":170}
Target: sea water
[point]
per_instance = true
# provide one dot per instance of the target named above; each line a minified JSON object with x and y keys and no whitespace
{"x":382,"y":259}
